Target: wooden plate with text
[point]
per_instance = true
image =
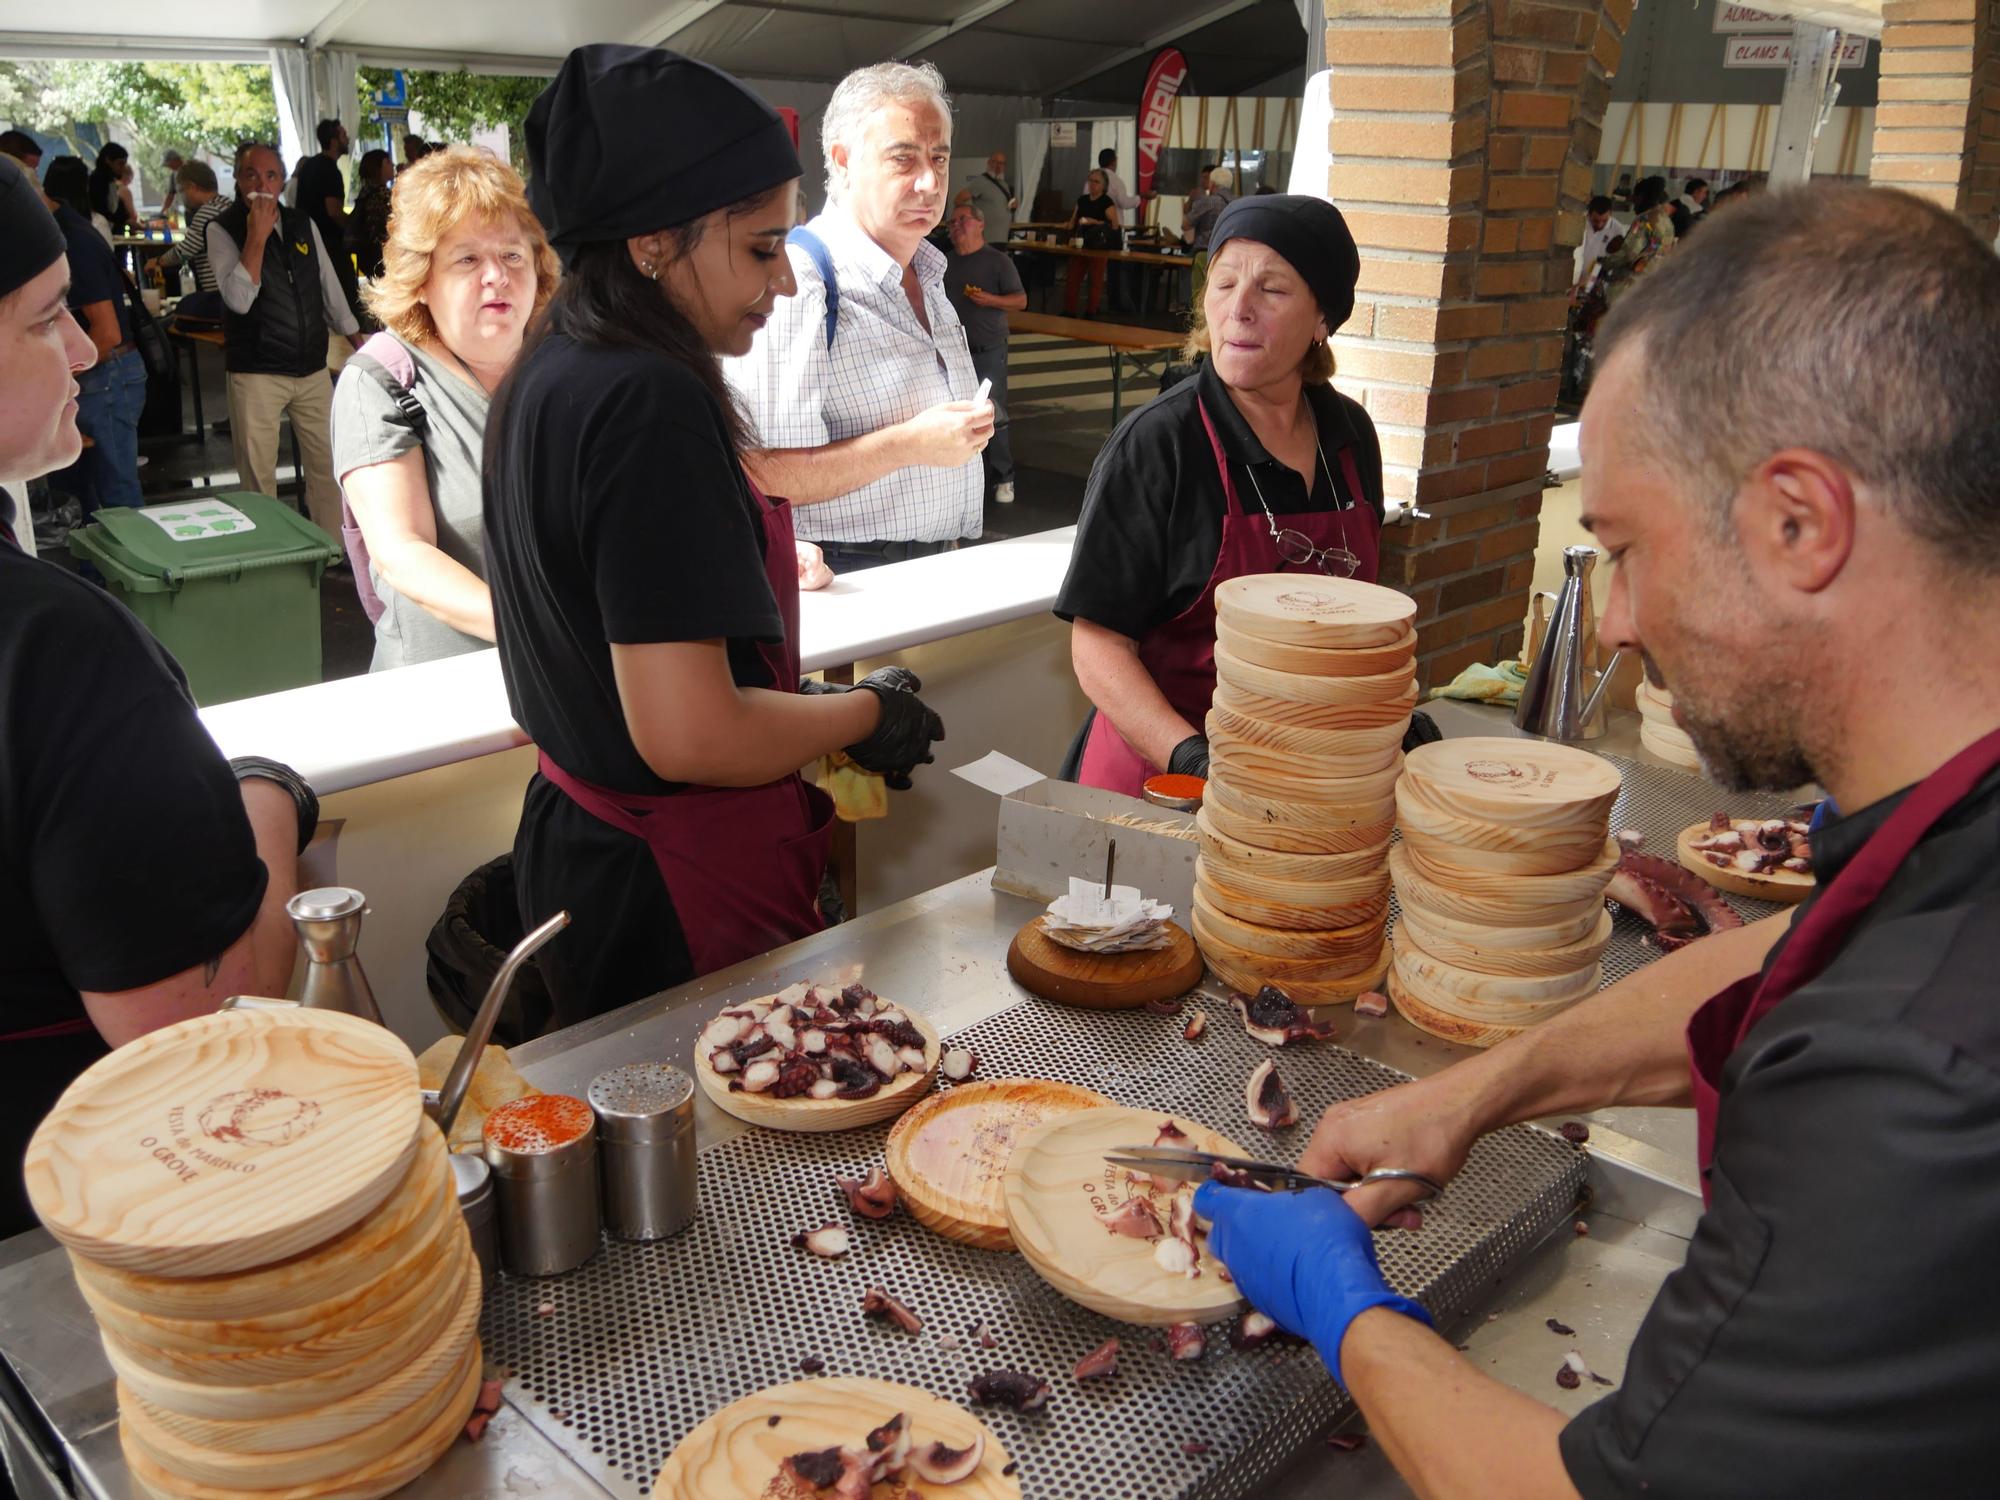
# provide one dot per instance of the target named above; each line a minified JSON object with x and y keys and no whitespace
{"x":1311,"y":609}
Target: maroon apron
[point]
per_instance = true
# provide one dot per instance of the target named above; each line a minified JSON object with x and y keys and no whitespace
{"x":742,"y":865}
{"x":1719,"y":1027}
{"x":1180,"y":654}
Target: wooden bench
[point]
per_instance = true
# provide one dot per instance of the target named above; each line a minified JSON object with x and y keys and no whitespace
{"x":1145,"y":347}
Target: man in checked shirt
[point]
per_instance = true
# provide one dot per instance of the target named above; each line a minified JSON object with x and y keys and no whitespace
{"x":867,"y":416}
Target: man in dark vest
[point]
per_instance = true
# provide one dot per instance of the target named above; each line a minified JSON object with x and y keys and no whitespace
{"x":281,"y":302}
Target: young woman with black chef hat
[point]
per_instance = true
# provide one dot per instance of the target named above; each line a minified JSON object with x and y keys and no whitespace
{"x":645,"y":594}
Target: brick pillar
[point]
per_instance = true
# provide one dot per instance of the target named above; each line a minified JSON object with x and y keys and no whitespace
{"x":1463,"y":137}
{"x":1937,"y":124}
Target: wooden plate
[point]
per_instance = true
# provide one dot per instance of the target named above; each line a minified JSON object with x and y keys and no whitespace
{"x":1787,"y":886}
{"x":1448,"y":859}
{"x":1359,"y":819}
{"x":735,"y":1454}
{"x":227,"y":1141}
{"x":1418,"y":806}
{"x":948,"y":1154}
{"x":366,"y":1481}
{"x":1102,"y":981}
{"x":1538,"y":899}
{"x":348,"y":1260}
{"x":1298,"y":907}
{"x":1508,"y":957}
{"x":338,"y":1313}
{"x":1335,"y":991}
{"x":1462,"y":1018}
{"x":1671,"y":744}
{"x":1307,"y":609}
{"x":1058,"y":1183}
{"x":1530,"y":892}
{"x":1279,"y":710}
{"x":1317,"y":661}
{"x":450,"y":1292}
{"x":1242,"y":676}
{"x":1522,"y":782}
{"x":1499,"y":992}
{"x":1226,"y":853}
{"x":1267,"y":775}
{"x":811,"y":1116}
{"x":1355,"y":944}
{"x":1328,"y":752}
{"x":1469,"y":845}
{"x":1286,"y":839}
{"x":1441,"y":1022}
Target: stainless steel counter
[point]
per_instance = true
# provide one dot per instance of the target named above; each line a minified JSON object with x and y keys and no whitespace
{"x":944,"y":953}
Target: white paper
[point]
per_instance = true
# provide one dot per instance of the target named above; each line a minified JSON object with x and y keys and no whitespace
{"x":196,"y":520}
{"x":1126,"y":922}
{"x":998,"y":774}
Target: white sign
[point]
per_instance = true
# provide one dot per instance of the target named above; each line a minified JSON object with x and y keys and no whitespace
{"x":1734,"y":18}
{"x":198,"y":521}
{"x":1063,"y":133}
{"x":1776,"y":52}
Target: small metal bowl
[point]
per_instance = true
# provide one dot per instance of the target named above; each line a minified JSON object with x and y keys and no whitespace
{"x":1181,"y":793}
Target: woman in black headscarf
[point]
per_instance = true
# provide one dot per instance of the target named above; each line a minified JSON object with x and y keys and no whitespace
{"x":645,"y":594}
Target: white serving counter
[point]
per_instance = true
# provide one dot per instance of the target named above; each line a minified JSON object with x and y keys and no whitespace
{"x":425,"y":766}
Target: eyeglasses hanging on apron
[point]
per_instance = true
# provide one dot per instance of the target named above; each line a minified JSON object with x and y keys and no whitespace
{"x":1295,"y":547}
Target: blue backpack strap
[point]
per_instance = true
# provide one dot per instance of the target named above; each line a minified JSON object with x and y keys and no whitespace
{"x":822,"y":259}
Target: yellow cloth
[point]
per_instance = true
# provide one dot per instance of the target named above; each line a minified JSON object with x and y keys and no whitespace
{"x":857,"y":794}
{"x":1501,"y":684}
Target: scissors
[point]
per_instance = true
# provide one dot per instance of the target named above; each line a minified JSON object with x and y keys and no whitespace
{"x":1184,"y":1164}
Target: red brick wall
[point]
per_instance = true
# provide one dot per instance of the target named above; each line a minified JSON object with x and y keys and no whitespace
{"x":1937,"y":125}
{"x":1463,"y":137}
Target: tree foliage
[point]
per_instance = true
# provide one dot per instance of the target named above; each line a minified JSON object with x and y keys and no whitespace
{"x":206,"y":106}
{"x":454,"y":105}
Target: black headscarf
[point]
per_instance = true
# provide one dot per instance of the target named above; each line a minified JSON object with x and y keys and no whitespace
{"x":1310,"y":233}
{"x":629,"y":140}
{"x":30,"y":242}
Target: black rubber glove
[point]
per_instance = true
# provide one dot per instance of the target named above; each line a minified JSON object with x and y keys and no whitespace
{"x":1190,"y":757}
{"x":1423,"y":730}
{"x":811,"y":688}
{"x":900,"y":679}
{"x":902,"y":740}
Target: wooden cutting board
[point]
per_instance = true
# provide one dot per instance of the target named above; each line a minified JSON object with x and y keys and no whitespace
{"x":228,"y":1141}
{"x":1326,"y":752}
{"x":811,"y":1116}
{"x":348,"y":1260}
{"x":948,"y":1154}
{"x":1056,"y":1186}
{"x":736,"y":1453}
{"x":1308,"y":609}
{"x":1521,"y":782}
{"x":367,"y":1481}
{"x":1529,"y":899}
{"x":1318,"y":661}
{"x":1102,"y":981}
{"x":1787,"y":886}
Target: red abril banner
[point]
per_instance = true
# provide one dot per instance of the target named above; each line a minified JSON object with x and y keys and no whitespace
{"x":1156,"y":104}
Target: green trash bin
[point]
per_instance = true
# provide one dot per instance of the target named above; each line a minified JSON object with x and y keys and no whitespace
{"x":228,"y":583}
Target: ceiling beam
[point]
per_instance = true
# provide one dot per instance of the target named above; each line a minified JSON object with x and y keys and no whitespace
{"x":323,"y":34}
{"x":1153,"y":43}
{"x":972,"y":17}
{"x":672,"y":21}
{"x":125,"y":47}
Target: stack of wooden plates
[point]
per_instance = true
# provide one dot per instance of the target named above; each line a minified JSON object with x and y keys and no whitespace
{"x":266,"y":1228}
{"x":1500,"y":877}
{"x":1314,"y":682}
{"x":1659,"y":733}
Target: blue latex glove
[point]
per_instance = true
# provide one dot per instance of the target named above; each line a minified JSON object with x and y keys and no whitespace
{"x":1303,"y":1259}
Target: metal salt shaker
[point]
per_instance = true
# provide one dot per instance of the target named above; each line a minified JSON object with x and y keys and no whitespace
{"x":474,"y":1181}
{"x":645,"y":1119}
{"x":329,"y":924}
{"x":543,"y":1152}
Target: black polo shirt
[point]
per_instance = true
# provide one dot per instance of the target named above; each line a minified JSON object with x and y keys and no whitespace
{"x":1152,"y":513}
{"x":1836,"y":1329}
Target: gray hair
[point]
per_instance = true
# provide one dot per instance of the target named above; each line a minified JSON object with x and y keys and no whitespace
{"x":866,"y":90}
{"x":1854,"y":321}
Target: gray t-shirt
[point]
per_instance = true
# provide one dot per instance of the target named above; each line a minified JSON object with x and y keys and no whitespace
{"x":369,"y":427}
{"x":991,"y":271}
{"x":992,"y":196}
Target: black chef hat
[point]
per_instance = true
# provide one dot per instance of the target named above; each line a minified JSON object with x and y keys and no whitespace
{"x":30,"y":242}
{"x":628,"y":140}
{"x":1308,"y":232}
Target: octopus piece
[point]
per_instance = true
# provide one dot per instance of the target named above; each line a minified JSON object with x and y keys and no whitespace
{"x":779,"y":1028}
{"x":939,"y":1464}
{"x":1720,"y":822}
{"x":1231,"y":1176}
{"x":1797,"y":866}
{"x":829,"y":1241}
{"x":1134,"y":1219}
{"x":872,"y":1197}
{"x":826,"y":1088}
{"x":759,"y":1077}
{"x":881,"y":1056}
{"x":898,"y":1029}
{"x":754,"y":1043}
{"x":1186,"y":1341}
{"x":820,"y":1469}
{"x":1630,"y":838}
{"x":1196,"y":1025}
{"x":1013,"y":1388}
{"x":1270,"y":1107}
{"x":856,"y":1079}
{"x":1171,"y":1134}
{"x":912,"y":1059}
{"x":724,"y":1029}
{"x":1271,"y":1017}
{"x":1371,"y":1003}
{"x":724,"y":1061}
{"x":1177,"y":1258}
{"x":791,"y":994}
{"x":1676,"y":903}
{"x":876,"y":1303}
{"x":1166,"y":1005}
{"x":1100,"y":1363}
{"x":798,"y":1076}
{"x":812,"y":1041}
{"x":959,"y":1063}
{"x":853,"y":998}
{"x":1251,"y":1331}
{"x":890,"y":1443}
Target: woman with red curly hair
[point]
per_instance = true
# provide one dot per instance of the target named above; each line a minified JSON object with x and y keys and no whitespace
{"x":465,"y":268}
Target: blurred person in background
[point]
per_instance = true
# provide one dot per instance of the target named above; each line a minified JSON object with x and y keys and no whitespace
{"x":111,"y":190}
{"x":205,"y":204}
{"x":322,"y":197}
{"x":368,"y":225}
{"x":984,"y":287}
{"x":21,"y":146}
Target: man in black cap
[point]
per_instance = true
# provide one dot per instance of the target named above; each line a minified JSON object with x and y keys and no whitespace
{"x":143,"y":879}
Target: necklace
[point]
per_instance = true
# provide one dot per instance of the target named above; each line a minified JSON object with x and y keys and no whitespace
{"x":1296,"y":547}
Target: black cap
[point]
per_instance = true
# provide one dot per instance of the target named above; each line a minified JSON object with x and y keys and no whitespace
{"x":1310,"y":233}
{"x":30,"y":242}
{"x":629,"y":140}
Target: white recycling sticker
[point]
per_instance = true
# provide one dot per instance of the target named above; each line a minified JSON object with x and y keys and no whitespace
{"x":198,"y":520}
